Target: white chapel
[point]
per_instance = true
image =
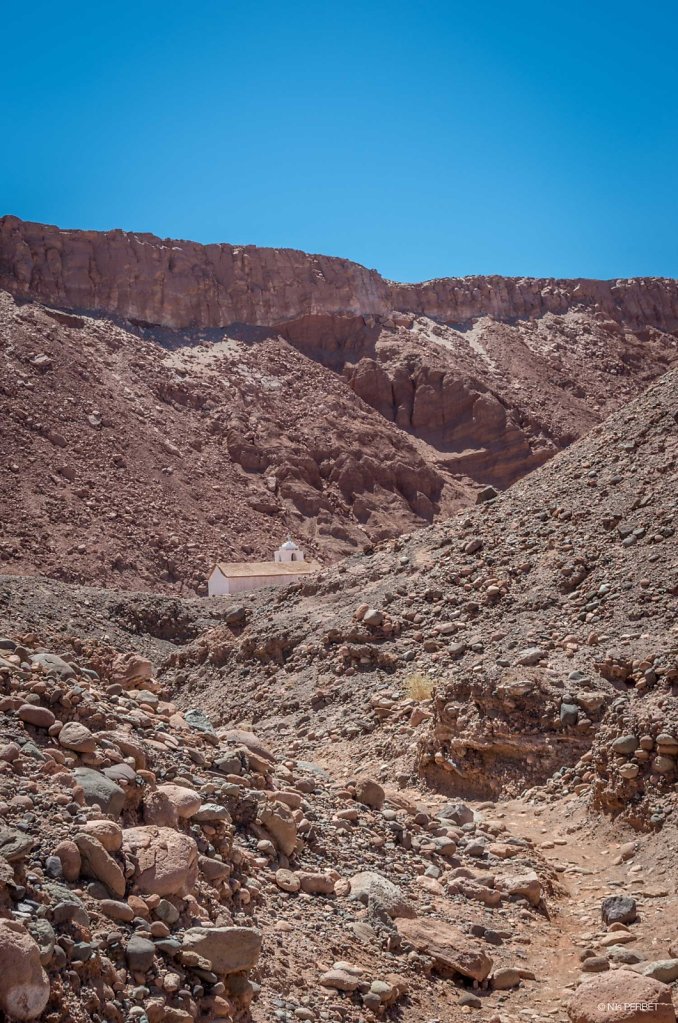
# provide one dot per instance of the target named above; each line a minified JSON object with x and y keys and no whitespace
{"x":288,"y":566}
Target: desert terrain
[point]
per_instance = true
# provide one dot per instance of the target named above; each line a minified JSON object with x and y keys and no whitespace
{"x":436,"y":781}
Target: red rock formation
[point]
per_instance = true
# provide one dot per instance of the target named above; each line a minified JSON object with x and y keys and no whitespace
{"x":184,"y":284}
{"x":176,"y":283}
{"x":334,"y":404}
{"x":132,"y":465}
{"x":638,"y":302}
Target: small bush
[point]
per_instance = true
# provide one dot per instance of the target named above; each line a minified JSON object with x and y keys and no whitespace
{"x":418,"y":687}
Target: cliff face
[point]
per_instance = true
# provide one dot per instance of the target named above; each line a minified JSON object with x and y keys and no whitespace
{"x":638,"y":303}
{"x":179,"y":284}
{"x":183,"y":284}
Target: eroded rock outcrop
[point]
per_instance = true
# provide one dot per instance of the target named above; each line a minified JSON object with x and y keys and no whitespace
{"x":230,"y":394}
{"x":184,"y":284}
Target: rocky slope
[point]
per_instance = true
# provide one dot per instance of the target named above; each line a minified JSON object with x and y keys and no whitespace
{"x":131,"y":464}
{"x":544,"y":620}
{"x":165,"y":863}
{"x":153,"y":868}
{"x":248,"y":393}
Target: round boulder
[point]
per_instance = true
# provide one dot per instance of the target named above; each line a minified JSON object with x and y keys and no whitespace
{"x":369,"y":792}
{"x":166,"y":860}
{"x":621,"y":996}
{"x":24,"y":991}
{"x":39,"y":717}
{"x":77,"y":737}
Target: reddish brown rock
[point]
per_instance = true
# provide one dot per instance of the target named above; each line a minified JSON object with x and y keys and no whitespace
{"x":397,"y":403}
{"x":184,"y":284}
{"x":227,"y":949}
{"x":449,"y":948}
{"x":24,"y":989}
{"x":40,"y":717}
{"x":165,"y":805}
{"x":167,"y":860}
{"x":69,"y":854}
{"x":77,"y":737}
{"x":97,"y":863}
{"x":107,"y":832}
{"x":621,"y":996}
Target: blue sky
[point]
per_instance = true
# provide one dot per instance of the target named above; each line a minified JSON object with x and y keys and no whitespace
{"x":421,"y":138}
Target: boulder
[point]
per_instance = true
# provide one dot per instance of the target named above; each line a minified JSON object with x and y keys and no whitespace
{"x":24,"y":990}
{"x":595,"y":964}
{"x":53,"y":664}
{"x":129,"y":746}
{"x":621,"y":996}
{"x":211,"y":812}
{"x":569,"y":713}
{"x":39,"y":717}
{"x":287,"y":881}
{"x":448,"y":947}
{"x":213,"y":870}
{"x":157,"y":809}
{"x":378,"y":892}
{"x":505,"y":978}
{"x":665,"y":970}
{"x":487,"y":493}
{"x":166,"y":804}
{"x":624,"y":745}
{"x":240,"y":737}
{"x":108,"y":832}
{"x":128,"y":669}
{"x":530,"y":656}
{"x":140,"y":952}
{"x":315,"y":882}
{"x":99,"y":864}
{"x":77,"y":737}
{"x":70,"y":859}
{"x":227,"y":949}
{"x":526,"y":885}
{"x":340,"y":980}
{"x":43,"y":934}
{"x":458,"y":813}
{"x":618,"y":909}
{"x":197,"y":719}
{"x":14,"y":845}
{"x":185,"y":801}
{"x":100,"y":790}
{"x":370,"y":792}
{"x":278,"y":820}
{"x":471,"y":889}
{"x":166,"y":861}
{"x":120,"y":774}
{"x":115,"y":910}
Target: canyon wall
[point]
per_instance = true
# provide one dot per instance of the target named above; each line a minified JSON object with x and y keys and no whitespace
{"x":183,"y":284}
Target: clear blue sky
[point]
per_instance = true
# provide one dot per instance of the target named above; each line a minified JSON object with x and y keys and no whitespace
{"x":421,"y":138}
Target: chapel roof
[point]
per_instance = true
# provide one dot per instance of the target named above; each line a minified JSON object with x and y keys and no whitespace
{"x":239,"y":569}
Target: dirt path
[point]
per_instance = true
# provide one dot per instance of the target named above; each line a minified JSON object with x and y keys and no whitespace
{"x":587,"y":858}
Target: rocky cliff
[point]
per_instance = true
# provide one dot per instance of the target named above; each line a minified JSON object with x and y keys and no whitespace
{"x":183,"y":284}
